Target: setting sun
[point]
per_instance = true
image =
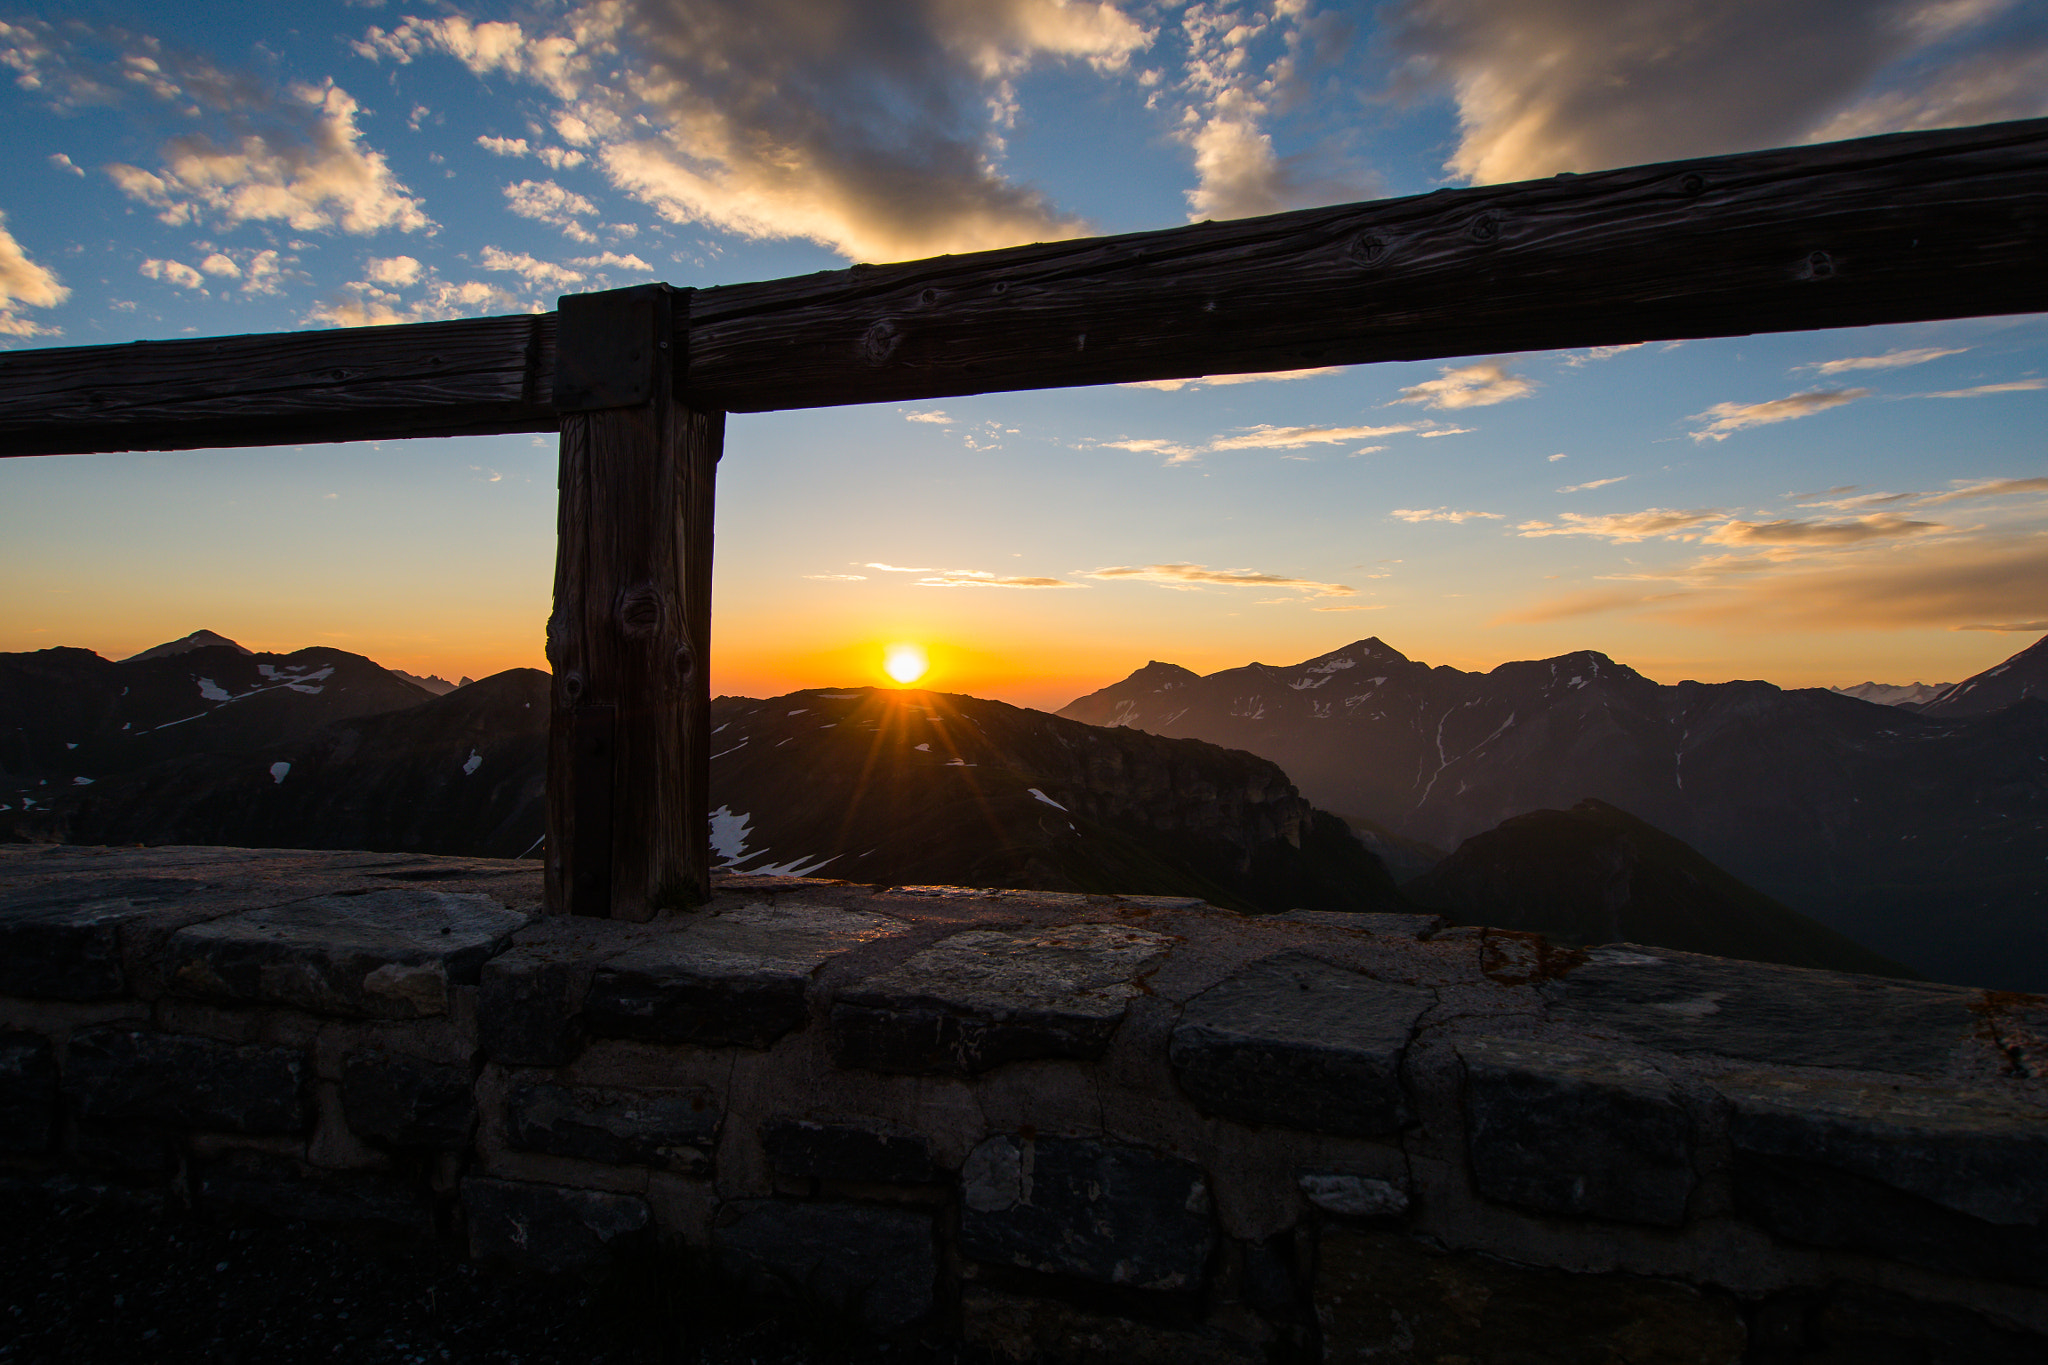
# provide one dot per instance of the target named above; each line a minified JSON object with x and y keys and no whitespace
{"x":905,"y":663}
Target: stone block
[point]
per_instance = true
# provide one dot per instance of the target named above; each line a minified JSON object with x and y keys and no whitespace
{"x":735,"y":978}
{"x":674,"y":1130}
{"x":122,"y":1073}
{"x":1932,"y":1175}
{"x":1381,"y":1296}
{"x":548,"y":1229}
{"x":982,"y":997}
{"x":28,"y":1093}
{"x":405,"y":1102}
{"x":528,"y":1003}
{"x":1100,"y":1211}
{"x":62,"y":941}
{"x":1354,"y":1196}
{"x":381,"y":954}
{"x":876,"y":1267}
{"x":1292,"y":1041}
{"x":1759,"y":1011}
{"x":1024,"y":1329}
{"x":1568,"y":1133}
{"x":869,"y":1150}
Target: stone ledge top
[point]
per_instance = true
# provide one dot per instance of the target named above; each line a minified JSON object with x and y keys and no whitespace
{"x":384,"y":935}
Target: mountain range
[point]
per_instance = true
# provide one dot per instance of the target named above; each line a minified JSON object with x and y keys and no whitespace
{"x":1917,"y":831}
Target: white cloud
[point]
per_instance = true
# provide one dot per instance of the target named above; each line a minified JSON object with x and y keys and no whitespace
{"x":503,"y":146}
{"x":1591,"y":484}
{"x":1890,"y":360}
{"x":549,"y":60}
{"x":1544,"y":86}
{"x":1725,"y":419}
{"x":218,"y":264}
{"x":368,"y":303}
{"x":895,"y":568}
{"x":173,"y":272}
{"x":23,"y":283}
{"x":1191,"y":576}
{"x":612,"y":260}
{"x":1173,"y":451}
{"x":395,"y":271}
{"x":1446,"y":431}
{"x":546,"y":202}
{"x":1622,"y":527}
{"x":298,"y":160}
{"x":838,"y":577}
{"x":1422,"y":514}
{"x":65,"y":163}
{"x":1469,"y":386}
{"x":540,"y":274}
{"x":935,"y":417}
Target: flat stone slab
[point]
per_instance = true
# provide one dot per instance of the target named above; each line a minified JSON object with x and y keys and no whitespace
{"x":117,"y":1072}
{"x":1293,"y":1041}
{"x":733,"y":978}
{"x":1575,"y":1133}
{"x":875,"y":1266}
{"x":383,"y":954}
{"x":983,"y":997}
{"x":405,"y":1102}
{"x":1757,"y":1011}
{"x":673,"y":1130}
{"x":62,"y":941}
{"x":1074,"y":1206}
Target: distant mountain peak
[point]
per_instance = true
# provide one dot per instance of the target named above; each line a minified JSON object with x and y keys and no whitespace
{"x":198,"y":639}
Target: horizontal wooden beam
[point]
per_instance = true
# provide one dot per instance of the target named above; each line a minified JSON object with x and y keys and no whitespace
{"x":1902,"y":228}
{"x":471,"y":377}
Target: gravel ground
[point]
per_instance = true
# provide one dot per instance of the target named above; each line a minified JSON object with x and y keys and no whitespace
{"x":90,"y":1275}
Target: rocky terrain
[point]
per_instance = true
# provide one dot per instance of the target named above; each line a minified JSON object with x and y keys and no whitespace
{"x":1916,"y":833}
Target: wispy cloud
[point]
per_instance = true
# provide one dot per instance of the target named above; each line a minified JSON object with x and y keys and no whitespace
{"x":2010,"y":386}
{"x":895,"y":568}
{"x":173,"y":272}
{"x":1591,"y":484}
{"x":1172,"y":451}
{"x":935,"y":417}
{"x":1878,"y":526}
{"x":1622,"y":527}
{"x":1725,"y":419}
{"x":1351,"y":606}
{"x":975,"y":578}
{"x":1469,"y":386}
{"x":838,"y":577}
{"x":1591,"y":602}
{"x":1953,"y":584}
{"x":1421,"y":514}
{"x":547,"y":202}
{"x":1987,"y":488}
{"x":1217,"y":381}
{"x":539,"y":273}
{"x":1290,"y":438}
{"x":1890,"y":360}
{"x":1201,"y":576}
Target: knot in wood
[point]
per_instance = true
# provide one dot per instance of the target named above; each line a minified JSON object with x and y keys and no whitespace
{"x":880,"y":343}
{"x":1002,"y":286}
{"x":928,"y":297}
{"x":643,"y":610}
{"x":572,"y":686}
{"x":1818,"y":266}
{"x":1368,"y":249}
{"x":684,"y":662}
{"x":1691,"y":184}
{"x":1485,"y":228}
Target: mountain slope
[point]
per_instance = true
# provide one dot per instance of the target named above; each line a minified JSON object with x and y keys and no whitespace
{"x":1879,"y":821}
{"x":2024,"y":675}
{"x":1595,"y":874}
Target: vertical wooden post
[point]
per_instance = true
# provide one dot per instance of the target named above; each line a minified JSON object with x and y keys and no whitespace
{"x":629,"y":640}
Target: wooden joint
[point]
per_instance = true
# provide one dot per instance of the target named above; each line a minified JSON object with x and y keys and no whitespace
{"x":613,"y":346}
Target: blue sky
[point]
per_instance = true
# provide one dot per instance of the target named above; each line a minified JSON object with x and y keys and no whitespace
{"x":1814,"y":508}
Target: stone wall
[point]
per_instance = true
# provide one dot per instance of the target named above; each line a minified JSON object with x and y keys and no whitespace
{"x":1104,"y":1129}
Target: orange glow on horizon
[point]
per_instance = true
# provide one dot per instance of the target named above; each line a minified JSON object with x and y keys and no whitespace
{"x":905,"y":662}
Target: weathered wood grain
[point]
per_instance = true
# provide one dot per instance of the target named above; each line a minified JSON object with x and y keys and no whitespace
{"x":472,"y":377}
{"x":629,"y":732}
{"x":1900,"y":228}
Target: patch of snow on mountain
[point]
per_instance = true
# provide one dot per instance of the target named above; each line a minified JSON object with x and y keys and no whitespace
{"x":1336,"y":665}
{"x":802,"y":866}
{"x":1126,"y":710}
{"x":81,"y":782}
{"x":729,"y":835}
{"x":1043,"y":797}
{"x":474,"y":761}
{"x":960,"y":763}
{"x":1306,"y":683}
{"x":923,"y":748}
{"x":733,"y":750}
{"x":278,"y":771}
{"x":70,"y":746}
{"x":800,"y":710}
{"x":213,"y":691}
